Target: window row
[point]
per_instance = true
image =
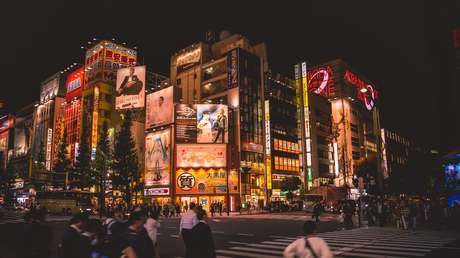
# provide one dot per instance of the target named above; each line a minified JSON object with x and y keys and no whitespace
{"x":287,"y":164}
{"x":286,"y":146}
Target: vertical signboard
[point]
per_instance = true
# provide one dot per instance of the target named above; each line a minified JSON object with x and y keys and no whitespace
{"x":160,"y":108}
{"x":49,"y":140}
{"x":232,"y":69}
{"x":307,"y":124}
{"x":158,"y":158}
{"x":95,"y":121}
{"x":268,"y":159}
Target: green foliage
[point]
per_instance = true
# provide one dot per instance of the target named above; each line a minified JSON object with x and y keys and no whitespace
{"x":125,"y":167}
{"x":81,"y":175}
{"x":63,"y":163}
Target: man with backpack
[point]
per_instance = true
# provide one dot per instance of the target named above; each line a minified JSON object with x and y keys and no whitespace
{"x":309,"y":246}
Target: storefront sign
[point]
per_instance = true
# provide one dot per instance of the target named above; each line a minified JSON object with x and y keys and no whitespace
{"x":49,"y":138}
{"x":196,"y":181}
{"x":156,"y":191}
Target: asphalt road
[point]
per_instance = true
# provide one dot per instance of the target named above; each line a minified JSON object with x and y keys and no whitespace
{"x":266,"y":236}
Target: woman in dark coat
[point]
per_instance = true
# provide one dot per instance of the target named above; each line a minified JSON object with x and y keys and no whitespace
{"x":203,"y":243}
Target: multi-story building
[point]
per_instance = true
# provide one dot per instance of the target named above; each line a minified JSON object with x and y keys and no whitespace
{"x":355,"y":118}
{"x":48,"y":119}
{"x":72,"y":111}
{"x":282,"y":146}
{"x":98,"y":96}
{"x":6,"y":140}
{"x":395,"y":154}
{"x":230,"y":72}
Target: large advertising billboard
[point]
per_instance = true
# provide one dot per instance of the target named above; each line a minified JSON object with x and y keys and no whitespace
{"x":185,"y":123}
{"x":212,"y":123}
{"x":130,"y":90}
{"x":49,"y":89}
{"x":204,"y":181}
{"x":158,"y":158}
{"x":201,"y":155}
{"x":74,"y":83}
{"x":160,"y":108}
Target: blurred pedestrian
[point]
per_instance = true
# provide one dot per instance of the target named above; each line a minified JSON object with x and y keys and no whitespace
{"x":317,"y":210}
{"x":187,"y":222}
{"x":138,"y":237}
{"x":152,"y":225}
{"x":413,"y":213}
{"x":309,"y":246}
{"x":116,"y":244}
{"x":202,"y":241}
{"x":73,"y":243}
{"x":36,"y":234}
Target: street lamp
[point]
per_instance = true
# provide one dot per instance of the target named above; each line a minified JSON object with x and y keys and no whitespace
{"x":363,"y":90}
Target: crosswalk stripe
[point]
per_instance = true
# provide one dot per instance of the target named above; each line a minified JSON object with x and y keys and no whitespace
{"x":244,"y":254}
{"x":353,"y":254}
{"x":239,"y":248}
{"x":388,"y":252}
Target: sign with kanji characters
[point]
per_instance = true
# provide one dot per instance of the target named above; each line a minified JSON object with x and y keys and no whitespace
{"x":201,"y":155}
{"x":207,"y":181}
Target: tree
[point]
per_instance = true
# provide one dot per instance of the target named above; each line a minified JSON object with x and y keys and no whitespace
{"x":102,"y":164}
{"x":125,"y":176}
{"x":81,"y":175}
{"x":7,"y":179}
{"x":289,"y":185}
{"x":63,"y":163}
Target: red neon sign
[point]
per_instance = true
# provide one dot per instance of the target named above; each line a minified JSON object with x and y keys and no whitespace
{"x":321,"y":80}
{"x":366,"y":92}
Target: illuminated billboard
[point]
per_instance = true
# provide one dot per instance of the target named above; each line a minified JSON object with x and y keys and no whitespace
{"x":160,"y":108}
{"x":212,"y":123}
{"x":158,"y":158}
{"x":74,"y":83}
{"x":196,"y":181}
{"x":201,"y":155}
{"x":130,"y":90}
{"x":188,"y":59}
{"x":321,"y":80}
{"x":49,"y":89}
{"x":365,"y":91}
{"x":185,"y":123}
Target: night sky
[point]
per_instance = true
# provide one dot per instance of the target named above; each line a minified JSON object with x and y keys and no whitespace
{"x":402,"y":46}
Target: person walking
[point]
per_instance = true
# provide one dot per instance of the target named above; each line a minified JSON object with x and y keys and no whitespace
{"x":309,"y":246}
{"x":138,"y":237}
{"x":317,"y":210}
{"x":413,"y":213}
{"x":74,"y":244}
{"x":348,"y":215}
{"x":187,"y":222}
{"x":202,"y":241}
{"x":152,"y":225}
{"x":116,"y":244}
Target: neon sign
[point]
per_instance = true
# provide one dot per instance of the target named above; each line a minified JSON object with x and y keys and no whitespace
{"x":366,"y":92}
{"x":321,"y":80}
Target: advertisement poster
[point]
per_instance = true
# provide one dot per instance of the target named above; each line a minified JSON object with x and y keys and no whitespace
{"x":130,"y":91}
{"x":201,"y":155}
{"x":212,"y":123}
{"x":233,"y":181}
{"x":160,"y":108}
{"x":49,"y":89}
{"x":157,"y":158}
{"x":188,"y":59}
{"x":185,"y":123}
{"x":206,"y":181}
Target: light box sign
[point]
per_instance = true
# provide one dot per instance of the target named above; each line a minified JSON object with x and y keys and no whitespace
{"x":212,"y":123}
{"x":160,"y":108}
{"x":187,"y":60}
{"x":158,"y":158}
{"x":204,"y":181}
{"x":201,"y":155}
{"x":156,"y":191}
{"x":365,"y":91}
{"x":130,"y":90}
{"x":185,"y":123}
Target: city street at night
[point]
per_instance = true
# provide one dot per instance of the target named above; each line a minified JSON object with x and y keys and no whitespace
{"x":266,"y":235}
{"x":235,"y":129}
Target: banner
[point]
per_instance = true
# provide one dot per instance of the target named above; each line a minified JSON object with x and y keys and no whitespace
{"x":212,"y":123}
{"x":188,"y":59}
{"x":158,"y":158}
{"x":130,"y":91}
{"x":160,"y":108}
{"x":201,"y":155}
{"x":204,"y":181}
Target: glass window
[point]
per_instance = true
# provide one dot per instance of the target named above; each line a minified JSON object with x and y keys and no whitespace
{"x":212,"y":88}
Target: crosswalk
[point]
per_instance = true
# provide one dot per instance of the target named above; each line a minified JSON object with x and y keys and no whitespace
{"x":281,"y":216}
{"x":11,"y":217}
{"x":362,"y":242}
